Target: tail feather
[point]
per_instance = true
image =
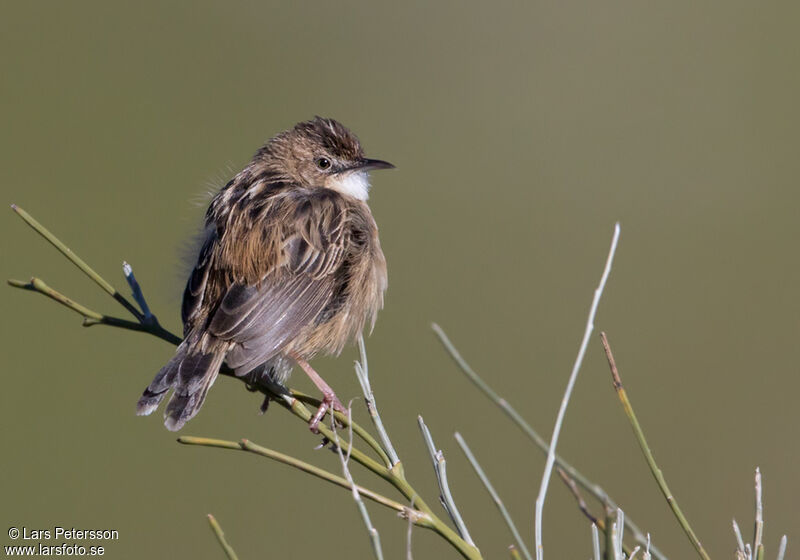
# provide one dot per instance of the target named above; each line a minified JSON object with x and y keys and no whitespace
{"x":191,"y":372}
{"x":162,"y":382}
{"x":191,"y":389}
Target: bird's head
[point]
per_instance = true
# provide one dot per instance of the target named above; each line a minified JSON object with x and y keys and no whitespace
{"x":323,"y":153}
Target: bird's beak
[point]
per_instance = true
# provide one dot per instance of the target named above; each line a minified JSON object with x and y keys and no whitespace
{"x":370,"y":164}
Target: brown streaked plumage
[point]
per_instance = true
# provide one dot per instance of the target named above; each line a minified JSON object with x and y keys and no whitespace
{"x":291,"y":266}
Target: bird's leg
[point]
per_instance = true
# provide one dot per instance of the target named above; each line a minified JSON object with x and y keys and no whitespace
{"x":329,"y":398}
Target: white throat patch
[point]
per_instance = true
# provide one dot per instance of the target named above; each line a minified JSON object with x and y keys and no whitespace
{"x":355,"y":184}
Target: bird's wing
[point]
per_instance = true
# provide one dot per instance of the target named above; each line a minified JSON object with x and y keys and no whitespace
{"x":195,"y":291}
{"x":262,"y":318}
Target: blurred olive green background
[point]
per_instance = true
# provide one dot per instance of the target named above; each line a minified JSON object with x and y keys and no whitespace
{"x":521,"y":132}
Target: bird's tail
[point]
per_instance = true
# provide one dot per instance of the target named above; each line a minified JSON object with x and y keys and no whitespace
{"x":190,"y":372}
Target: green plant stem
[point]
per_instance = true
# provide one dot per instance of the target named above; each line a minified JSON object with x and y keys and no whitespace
{"x":609,"y":535}
{"x":417,"y":518}
{"x":91,"y":317}
{"x":221,"y":538}
{"x":77,"y":261}
{"x":651,"y":462}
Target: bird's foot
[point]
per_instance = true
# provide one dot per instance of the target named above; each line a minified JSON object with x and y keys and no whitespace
{"x":329,"y":399}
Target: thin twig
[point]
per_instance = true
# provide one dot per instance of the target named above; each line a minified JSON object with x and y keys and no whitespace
{"x":585,"y":509}
{"x":739,"y":539}
{"x":657,"y":474}
{"x":782,"y":547}
{"x":90,"y":317}
{"x":440,"y":467}
{"x":759,"y":525}
{"x":136,"y":292}
{"x":513,"y":552}
{"x":595,"y":542}
{"x":77,"y":261}
{"x":578,"y":497}
{"x":409,"y":556}
{"x":419,"y":518}
{"x":221,"y":538}
{"x":594,"y":489}
{"x":374,"y":537}
{"x":609,"y":534}
{"x":362,"y":372}
{"x":551,"y":453}
{"x":619,"y":531}
{"x":493,"y":493}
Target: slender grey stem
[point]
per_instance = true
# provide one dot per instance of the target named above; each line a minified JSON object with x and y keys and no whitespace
{"x":759,"y":525}
{"x":374,"y":537}
{"x":495,"y":496}
{"x":782,"y":548}
{"x":596,"y":542}
{"x":619,"y":530}
{"x":362,"y":372}
{"x":739,"y":539}
{"x":409,"y":556}
{"x":551,"y":453}
{"x":439,"y":466}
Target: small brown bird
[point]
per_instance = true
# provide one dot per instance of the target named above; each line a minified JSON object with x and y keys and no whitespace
{"x":290,"y":266}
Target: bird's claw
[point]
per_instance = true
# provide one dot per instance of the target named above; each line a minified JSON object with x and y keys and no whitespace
{"x":328,"y":400}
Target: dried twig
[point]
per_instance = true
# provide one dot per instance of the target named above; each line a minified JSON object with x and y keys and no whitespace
{"x":579,"y":498}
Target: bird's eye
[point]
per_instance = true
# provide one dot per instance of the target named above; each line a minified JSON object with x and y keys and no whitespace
{"x":323,"y":163}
